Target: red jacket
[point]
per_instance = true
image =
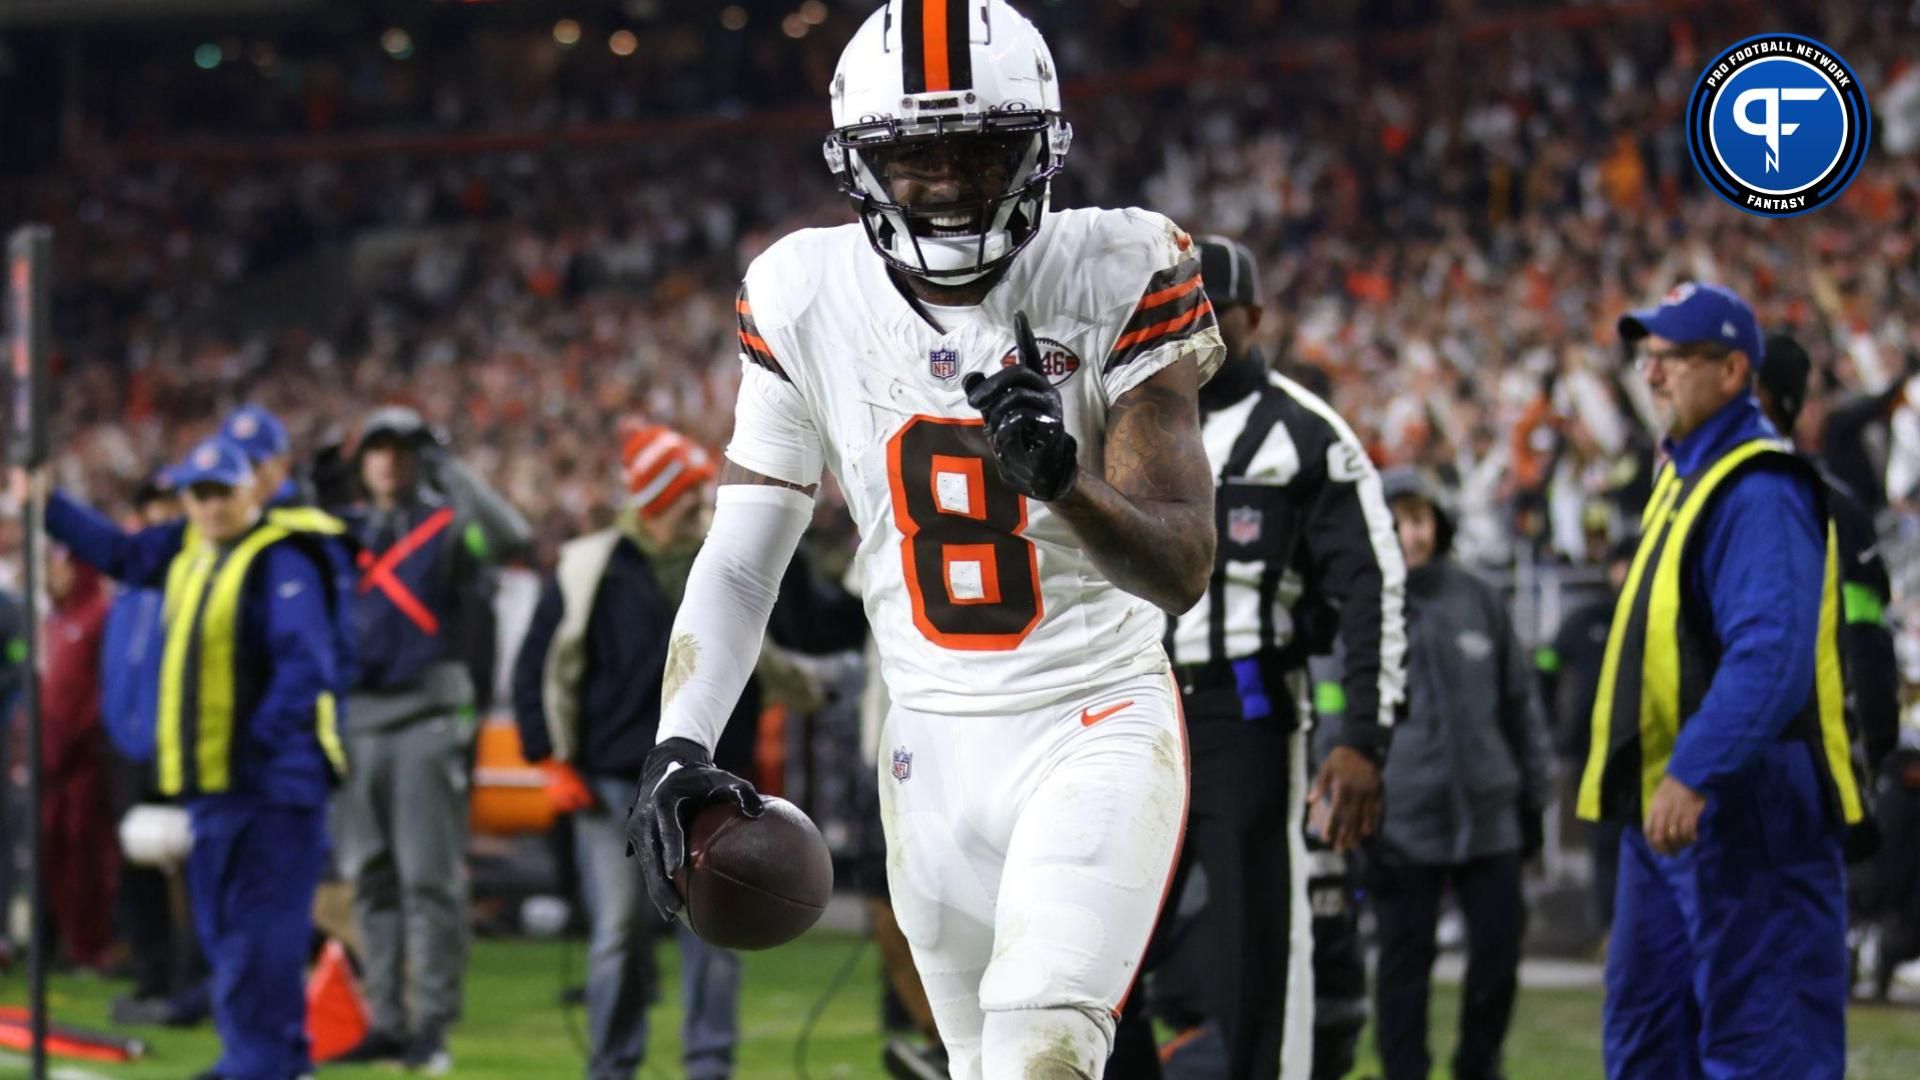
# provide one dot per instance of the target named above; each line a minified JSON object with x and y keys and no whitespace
{"x":70,"y":695}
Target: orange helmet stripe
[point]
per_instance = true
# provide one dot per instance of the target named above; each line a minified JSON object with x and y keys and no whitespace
{"x":933,"y":23}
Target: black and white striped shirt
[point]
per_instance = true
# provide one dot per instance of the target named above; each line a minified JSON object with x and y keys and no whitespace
{"x":1301,"y":517}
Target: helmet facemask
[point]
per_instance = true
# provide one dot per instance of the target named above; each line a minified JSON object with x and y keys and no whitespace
{"x":1008,"y":160}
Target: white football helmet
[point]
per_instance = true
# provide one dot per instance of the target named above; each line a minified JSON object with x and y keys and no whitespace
{"x":963,"y":74}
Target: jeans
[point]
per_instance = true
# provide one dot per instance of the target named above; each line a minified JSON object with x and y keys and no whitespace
{"x":621,"y":975}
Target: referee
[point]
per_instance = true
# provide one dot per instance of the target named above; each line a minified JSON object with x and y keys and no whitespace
{"x":1307,"y":544}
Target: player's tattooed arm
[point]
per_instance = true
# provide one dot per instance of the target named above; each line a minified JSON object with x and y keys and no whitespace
{"x":735,"y":474}
{"x":1146,"y":517}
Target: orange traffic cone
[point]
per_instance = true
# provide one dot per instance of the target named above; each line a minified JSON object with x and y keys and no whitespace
{"x":336,"y":1017}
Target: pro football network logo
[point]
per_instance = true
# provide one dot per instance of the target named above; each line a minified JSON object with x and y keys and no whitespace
{"x":1057,"y":361}
{"x":903,"y":765}
{"x":1778,"y":125}
{"x":943,"y":364}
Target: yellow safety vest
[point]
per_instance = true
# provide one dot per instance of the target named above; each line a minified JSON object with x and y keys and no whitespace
{"x":201,"y":667}
{"x":1660,"y":660}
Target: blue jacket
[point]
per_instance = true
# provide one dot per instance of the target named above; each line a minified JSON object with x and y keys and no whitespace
{"x":401,"y":608}
{"x":1758,"y":573}
{"x":130,"y":676}
{"x":293,"y":637}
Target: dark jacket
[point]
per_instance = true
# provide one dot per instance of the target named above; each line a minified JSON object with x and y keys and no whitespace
{"x":626,"y":646}
{"x":411,"y":558}
{"x":1471,"y":757}
{"x":1570,"y":676}
{"x":1873,"y":670}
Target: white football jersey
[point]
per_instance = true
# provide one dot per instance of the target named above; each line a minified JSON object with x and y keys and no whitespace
{"x":981,"y":601}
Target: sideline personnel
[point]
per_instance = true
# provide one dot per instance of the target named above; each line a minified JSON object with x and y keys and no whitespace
{"x":1873,"y":671}
{"x":1306,"y":546}
{"x":1719,"y":734}
{"x":401,"y":820}
{"x":249,"y":677}
{"x":1466,"y":788}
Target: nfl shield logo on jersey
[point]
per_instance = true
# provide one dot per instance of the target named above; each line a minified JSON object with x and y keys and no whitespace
{"x":943,"y":364}
{"x":1243,"y":525}
{"x":902,"y":765}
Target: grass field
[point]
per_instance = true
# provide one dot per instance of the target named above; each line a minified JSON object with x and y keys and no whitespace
{"x":514,"y":1030}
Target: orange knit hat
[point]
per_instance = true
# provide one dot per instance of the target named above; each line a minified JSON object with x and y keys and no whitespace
{"x":661,"y":465}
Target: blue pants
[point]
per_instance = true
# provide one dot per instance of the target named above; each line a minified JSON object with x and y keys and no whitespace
{"x":620,"y":967}
{"x":1729,"y":961}
{"x":252,"y":874}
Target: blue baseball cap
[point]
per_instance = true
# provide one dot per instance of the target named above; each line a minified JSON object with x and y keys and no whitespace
{"x":1694,"y":314}
{"x":218,"y":460}
{"x":258,"y":432}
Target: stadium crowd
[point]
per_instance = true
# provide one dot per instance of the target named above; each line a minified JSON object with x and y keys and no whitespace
{"x":1476,"y":244}
{"x":1447,"y":257}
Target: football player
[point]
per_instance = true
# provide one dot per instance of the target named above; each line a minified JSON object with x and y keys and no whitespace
{"x":1007,"y":397}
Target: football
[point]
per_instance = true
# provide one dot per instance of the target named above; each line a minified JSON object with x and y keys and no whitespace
{"x":754,"y":883}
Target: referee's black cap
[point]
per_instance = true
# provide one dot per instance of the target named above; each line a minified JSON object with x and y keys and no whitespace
{"x":1228,"y":269}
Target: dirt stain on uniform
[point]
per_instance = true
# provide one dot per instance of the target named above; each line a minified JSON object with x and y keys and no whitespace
{"x":683,"y":658}
{"x":1058,"y":1059}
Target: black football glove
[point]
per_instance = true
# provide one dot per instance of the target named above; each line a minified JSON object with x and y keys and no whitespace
{"x":1036,"y":454}
{"x":678,"y":782}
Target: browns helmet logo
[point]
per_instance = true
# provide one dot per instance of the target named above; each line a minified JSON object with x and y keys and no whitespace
{"x":1057,"y":361}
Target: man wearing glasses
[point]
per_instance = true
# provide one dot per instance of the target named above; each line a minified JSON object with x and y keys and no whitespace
{"x":1719,"y":736}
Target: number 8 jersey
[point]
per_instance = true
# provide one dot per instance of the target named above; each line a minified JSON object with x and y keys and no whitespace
{"x":981,"y":600}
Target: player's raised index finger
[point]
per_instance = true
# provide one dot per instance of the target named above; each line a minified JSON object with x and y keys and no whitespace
{"x":1023,"y":336}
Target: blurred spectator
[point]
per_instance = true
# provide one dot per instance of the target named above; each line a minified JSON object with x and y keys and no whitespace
{"x":1466,"y":785}
{"x":586,"y":690}
{"x":76,"y":817}
{"x":1569,"y":681}
{"x":264,"y":438}
{"x":13,"y":656}
{"x":400,"y":822}
{"x":1873,"y":677}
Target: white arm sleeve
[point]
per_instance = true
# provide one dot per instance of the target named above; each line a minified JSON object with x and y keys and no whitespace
{"x":722,"y":620}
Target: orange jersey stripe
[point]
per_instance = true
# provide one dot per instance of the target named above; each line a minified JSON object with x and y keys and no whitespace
{"x":1171,"y":293}
{"x":743,"y":307}
{"x":933,"y":28}
{"x":755,"y":342}
{"x":1148,"y":333}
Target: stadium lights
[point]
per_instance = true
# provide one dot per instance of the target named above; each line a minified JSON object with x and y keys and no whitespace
{"x":814,"y":11}
{"x":566,"y":32}
{"x":794,"y":25}
{"x":207,"y":56}
{"x":397,"y":42}
{"x":623,"y":43}
{"x":733,"y":17}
